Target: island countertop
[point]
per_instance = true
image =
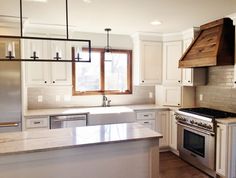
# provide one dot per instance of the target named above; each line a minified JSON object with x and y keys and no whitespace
{"x":44,"y":140}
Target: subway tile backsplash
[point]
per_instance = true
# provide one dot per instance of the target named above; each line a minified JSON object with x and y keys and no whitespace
{"x":61,"y":96}
{"x":219,"y":92}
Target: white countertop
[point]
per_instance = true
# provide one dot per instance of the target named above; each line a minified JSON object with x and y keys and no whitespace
{"x":92,"y":110}
{"x":43,"y":140}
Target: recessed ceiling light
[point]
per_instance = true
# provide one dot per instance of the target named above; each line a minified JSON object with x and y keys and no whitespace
{"x":155,"y":22}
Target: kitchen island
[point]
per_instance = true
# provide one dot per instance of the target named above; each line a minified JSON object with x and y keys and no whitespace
{"x":108,"y":151}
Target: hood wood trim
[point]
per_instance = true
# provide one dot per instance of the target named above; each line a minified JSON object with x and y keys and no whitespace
{"x":214,"y":46}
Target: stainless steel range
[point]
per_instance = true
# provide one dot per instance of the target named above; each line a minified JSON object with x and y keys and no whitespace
{"x":196,"y":136}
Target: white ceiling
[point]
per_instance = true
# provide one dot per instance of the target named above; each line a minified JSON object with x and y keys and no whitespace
{"x":123,"y":16}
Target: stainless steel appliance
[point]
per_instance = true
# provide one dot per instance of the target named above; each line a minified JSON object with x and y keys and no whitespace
{"x":196,"y":139}
{"x":10,"y":96}
{"x":65,"y":121}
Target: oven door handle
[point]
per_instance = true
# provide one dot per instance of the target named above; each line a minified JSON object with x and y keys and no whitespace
{"x":196,"y":129}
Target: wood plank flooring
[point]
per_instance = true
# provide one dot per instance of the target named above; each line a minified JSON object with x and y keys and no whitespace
{"x":172,"y":166}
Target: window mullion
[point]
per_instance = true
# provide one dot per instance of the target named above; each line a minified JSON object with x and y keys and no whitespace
{"x":102,"y":75}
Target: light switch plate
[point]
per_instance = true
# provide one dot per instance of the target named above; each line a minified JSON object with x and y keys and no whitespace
{"x":201,"y":97}
{"x":40,"y":99}
{"x":150,"y":95}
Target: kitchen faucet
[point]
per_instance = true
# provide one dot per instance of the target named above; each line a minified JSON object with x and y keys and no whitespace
{"x":105,"y":101}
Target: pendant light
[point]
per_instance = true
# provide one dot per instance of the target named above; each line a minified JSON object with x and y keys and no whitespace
{"x":108,"y":49}
{"x":10,"y":47}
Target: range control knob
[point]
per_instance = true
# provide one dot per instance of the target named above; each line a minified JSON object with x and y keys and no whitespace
{"x":192,"y":121}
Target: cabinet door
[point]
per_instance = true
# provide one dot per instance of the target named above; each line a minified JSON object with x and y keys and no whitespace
{"x":151,"y":62}
{"x":235,"y":75}
{"x":172,"y":96}
{"x":36,"y":72}
{"x":162,"y":121}
{"x":221,"y":149}
{"x":187,"y":73}
{"x":172,"y":53}
{"x":172,"y":131}
{"x":60,"y":71}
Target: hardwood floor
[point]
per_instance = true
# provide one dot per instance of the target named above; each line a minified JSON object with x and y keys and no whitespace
{"x":172,"y":166}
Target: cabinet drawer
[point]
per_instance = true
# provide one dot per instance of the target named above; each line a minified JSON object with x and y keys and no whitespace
{"x":148,"y":123}
{"x":146,"y":115}
{"x":37,"y":123}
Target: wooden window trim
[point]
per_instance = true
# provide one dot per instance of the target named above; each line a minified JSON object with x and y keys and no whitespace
{"x":102,"y":75}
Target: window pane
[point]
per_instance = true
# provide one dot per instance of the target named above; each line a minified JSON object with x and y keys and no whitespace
{"x":88,"y":74}
{"x":116,"y":71}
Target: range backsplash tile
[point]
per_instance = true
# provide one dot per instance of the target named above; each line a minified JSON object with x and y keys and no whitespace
{"x":50,"y":94}
{"x":219,"y":92}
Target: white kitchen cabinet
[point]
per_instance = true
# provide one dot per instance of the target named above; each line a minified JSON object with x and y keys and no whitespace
{"x":151,"y":124}
{"x":37,"y":123}
{"x":221,"y":149}
{"x":151,"y":62}
{"x":226,"y":150}
{"x":36,"y":72}
{"x":147,"y":118}
{"x":192,"y":76}
{"x":172,"y":132}
{"x":147,"y":61}
{"x":47,"y":73}
{"x":162,"y":126}
{"x":172,"y":52}
{"x":181,"y":96}
{"x":235,"y":75}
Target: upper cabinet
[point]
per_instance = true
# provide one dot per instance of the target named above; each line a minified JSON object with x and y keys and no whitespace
{"x":46,"y":73}
{"x":172,"y":51}
{"x":192,"y":76}
{"x":147,"y":61}
{"x":235,"y":75}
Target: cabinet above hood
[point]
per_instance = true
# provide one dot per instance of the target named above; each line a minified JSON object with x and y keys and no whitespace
{"x":214,"y":46}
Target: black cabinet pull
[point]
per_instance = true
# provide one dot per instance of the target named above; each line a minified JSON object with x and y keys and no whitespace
{"x":53,"y":82}
{"x":179,"y":81}
{"x":235,"y":82}
{"x":188,"y":81}
{"x":45,"y":81}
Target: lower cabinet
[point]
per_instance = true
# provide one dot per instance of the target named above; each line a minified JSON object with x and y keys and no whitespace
{"x":162,"y":122}
{"x":36,"y":123}
{"x":172,"y":131}
{"x":226,"y":151}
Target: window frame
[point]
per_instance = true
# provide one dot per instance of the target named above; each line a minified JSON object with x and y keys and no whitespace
{"x":102,"y":74}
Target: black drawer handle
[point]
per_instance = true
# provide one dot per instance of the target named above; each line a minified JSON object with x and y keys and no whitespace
{"x":145,"y":115}
{"x":146,"y":122}
{"x":37,"y":122}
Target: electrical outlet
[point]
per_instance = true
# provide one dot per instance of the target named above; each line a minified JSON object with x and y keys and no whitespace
{"x":201,"y":97}
{"x":58,"y":98}
{"x":150,"y":95}
{"x":40,"y":99}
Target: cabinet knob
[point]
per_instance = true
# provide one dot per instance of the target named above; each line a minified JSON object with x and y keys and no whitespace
{"x":179,"y":81}
{"x":45,"y":81}
{"x":178,"y":104}
{"x":235,"y":82}
{"x":53,"y":82}
{"x":188,"y":81}
{"x":142,"y":81}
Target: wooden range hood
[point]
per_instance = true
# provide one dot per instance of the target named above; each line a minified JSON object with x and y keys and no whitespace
{"x":214,"y":46}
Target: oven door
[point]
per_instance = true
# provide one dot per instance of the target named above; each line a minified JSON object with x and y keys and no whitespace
{"x":196,"y":146}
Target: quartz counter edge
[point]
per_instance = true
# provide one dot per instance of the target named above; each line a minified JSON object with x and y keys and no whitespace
{"x":46,"y":140}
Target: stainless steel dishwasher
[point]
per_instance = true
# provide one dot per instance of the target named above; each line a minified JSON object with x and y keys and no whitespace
{"x":65,"y":121}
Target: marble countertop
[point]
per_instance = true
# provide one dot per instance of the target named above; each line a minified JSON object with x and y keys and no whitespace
{"x":91,"y":110}
{"x":43,"y":140}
